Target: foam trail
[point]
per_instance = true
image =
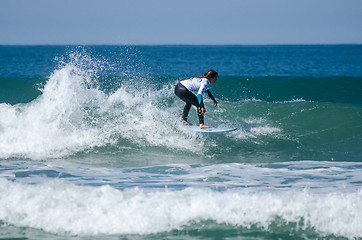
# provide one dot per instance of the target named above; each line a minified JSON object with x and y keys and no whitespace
{"x":63,"y":208}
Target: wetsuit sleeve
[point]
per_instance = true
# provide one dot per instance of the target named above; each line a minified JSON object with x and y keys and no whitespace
{"x":199,"y":98}
{"x":203,"y":87}
{"x":210,"y":95}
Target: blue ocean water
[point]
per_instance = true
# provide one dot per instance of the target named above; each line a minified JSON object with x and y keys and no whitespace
{"x":91,"y":145}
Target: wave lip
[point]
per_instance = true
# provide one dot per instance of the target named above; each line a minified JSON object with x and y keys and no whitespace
{"x":53,"y":124}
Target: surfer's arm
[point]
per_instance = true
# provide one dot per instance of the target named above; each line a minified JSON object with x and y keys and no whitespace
{"x":201,"y":108}
{"x":211,"y":97}
{"x":199,"y":95}
{"x":202,"y":89}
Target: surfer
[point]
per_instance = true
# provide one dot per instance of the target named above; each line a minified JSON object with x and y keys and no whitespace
{"x":200,"y":84}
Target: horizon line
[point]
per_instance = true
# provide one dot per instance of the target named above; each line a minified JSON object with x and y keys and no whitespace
{"x":180,"y":44}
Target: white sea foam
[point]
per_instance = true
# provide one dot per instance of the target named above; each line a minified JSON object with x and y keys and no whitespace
{"x":52,"y":124}
{"x":297,"y":100}
{"x":64,"y":208}
{"x":256,"y":127}
{"x":72,"y":114}
{"x":143,"y":122}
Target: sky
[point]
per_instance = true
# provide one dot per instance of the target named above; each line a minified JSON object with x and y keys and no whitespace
{"x":158,"y":22}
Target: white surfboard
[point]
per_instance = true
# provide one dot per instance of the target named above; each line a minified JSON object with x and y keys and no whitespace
{"x":211,"y":130}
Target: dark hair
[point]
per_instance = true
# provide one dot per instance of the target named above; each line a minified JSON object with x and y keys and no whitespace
{"x":209,"y":74}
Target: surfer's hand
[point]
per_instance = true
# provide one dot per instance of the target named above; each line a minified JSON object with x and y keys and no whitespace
{"x":203,"y":110}
{"x":215,"y":103}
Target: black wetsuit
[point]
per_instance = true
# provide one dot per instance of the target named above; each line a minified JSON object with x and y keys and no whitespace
{"x":182,"y":92}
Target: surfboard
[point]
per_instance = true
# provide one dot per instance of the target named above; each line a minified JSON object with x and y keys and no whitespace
{"x":211,"y":130}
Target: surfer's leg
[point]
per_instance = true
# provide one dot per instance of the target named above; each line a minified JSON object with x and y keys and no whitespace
{"x":190,"y":99}
{"x":200,"y":115}
{"x":186,"y":111}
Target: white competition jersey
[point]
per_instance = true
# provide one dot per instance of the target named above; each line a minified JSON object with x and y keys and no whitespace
{"x":196,"y":84}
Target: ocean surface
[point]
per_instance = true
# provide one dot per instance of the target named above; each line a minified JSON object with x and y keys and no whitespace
{"x":92,"y":147}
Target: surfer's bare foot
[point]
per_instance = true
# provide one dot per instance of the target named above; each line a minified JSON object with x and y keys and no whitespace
{"x":202,"y":126}
{"x":186,"y":123}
